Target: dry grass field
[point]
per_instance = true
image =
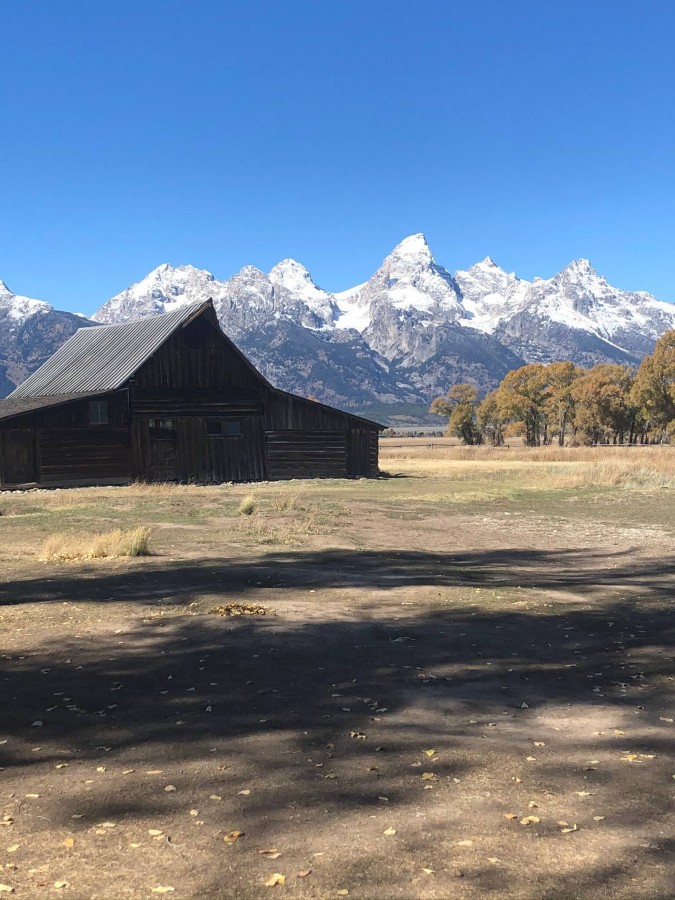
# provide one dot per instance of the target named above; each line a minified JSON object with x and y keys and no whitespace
{"x":452,"y":681}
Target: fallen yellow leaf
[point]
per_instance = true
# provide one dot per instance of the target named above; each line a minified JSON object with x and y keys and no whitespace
{"x":275,"y":879}
{"x":160,"y":889}
{"x":510,"y":816}
{"x":530,"y":820}
{"x":61,"y":884}
{"x":270,"y":854}
{"x":155,"y":832}
{"x":568,"y":830}
{"x":13,"y":848}
{"x":430,"y":753}
{"x":428,"y":776}
{"x":6,"y":889}
{"x":69,"y":842}
{"x":233,"y":836}
{"x":464,"y":843}
{"x":389,"y":832}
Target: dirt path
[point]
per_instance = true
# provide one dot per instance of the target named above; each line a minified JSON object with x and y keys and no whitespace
{"x":457,"y":710}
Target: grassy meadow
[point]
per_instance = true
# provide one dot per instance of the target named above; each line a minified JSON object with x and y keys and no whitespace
{"x":421,"y":477}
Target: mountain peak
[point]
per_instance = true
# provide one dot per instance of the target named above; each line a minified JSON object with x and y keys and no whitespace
{"x":4,"y":289}
{"x":580,"y":267}
{"x":289,"y":265}
{"x":413,"y":245}
{"x":291,"y":274}
{"x":183,"y":272}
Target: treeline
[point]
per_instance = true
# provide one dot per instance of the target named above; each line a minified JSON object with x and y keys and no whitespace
{"x":566,"y":404}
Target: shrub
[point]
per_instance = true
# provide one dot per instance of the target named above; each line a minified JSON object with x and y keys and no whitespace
{"x":247,"y":506}
{"x":111,"y":544}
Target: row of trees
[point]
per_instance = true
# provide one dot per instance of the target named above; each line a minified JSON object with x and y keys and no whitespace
{"x":561,"y":402}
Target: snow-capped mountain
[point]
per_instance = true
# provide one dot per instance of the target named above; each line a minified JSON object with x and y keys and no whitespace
{"x":575,"y":315}
{"x":395,"y":341}
{"x":30,"y":331}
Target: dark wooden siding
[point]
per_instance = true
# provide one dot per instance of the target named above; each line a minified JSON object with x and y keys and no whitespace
{"x":195,"y":402}
{"x":59,"y":446}
{"x":285,"y":412}
{"x":309,"y":440}
{"x":186,"y":453}
{"x":18,"y":462}
{"x":306,"y":454}
{"x":94,"y":455}
{"x":362,"y":450}
{"x":197,"y":356}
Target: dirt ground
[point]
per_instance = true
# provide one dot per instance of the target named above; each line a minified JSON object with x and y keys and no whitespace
{"x":462,"y":687}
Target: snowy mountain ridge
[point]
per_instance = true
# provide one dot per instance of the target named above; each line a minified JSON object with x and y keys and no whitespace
{"x":403,"y":336}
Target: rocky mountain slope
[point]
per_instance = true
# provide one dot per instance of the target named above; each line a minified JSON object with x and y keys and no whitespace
{"x":30,"y":331}
{"x":388,"y":345}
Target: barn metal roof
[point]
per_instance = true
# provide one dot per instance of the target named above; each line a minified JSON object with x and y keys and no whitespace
{"x":103,"y":358}
{"x":16,"y":406}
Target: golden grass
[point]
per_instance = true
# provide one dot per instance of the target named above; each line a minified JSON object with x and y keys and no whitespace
{"x":284,"y":500}
{"x":419,"y":448}
{"x":111,"y":544}
{"x":247,"y":506}
{"x":540,"y":468}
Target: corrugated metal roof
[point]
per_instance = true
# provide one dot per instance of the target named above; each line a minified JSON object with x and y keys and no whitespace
{"x":15,"y":406}
{"x":103,"y":358}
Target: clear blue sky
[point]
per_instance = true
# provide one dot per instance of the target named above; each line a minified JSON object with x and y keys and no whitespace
{"x":231,"y":132}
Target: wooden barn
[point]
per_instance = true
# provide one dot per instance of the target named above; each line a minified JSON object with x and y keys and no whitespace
{"x":170,"y":398}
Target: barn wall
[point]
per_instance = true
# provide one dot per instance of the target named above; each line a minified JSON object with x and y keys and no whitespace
{"x":93,"y":455}
{"x":185,"y":451}
{"x":306,"y":454}
{"x":18,"y":456}
{"x":58,"y":446}
{"x":197,"y":356}
{"x":305,"y":439}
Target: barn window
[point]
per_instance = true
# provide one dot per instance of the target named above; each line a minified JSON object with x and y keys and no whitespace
{"x":161,"y":423}
{"x":98,"y":412}
{"x":218,"y":428}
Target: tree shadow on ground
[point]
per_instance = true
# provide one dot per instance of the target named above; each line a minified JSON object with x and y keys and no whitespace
{"x":328,"y":724}
{"x":579,"y":571}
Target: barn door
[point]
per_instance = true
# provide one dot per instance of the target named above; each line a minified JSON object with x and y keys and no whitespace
{"x":153,"y":447}
{"x":162,"y":452}
{"x":19,"y":465}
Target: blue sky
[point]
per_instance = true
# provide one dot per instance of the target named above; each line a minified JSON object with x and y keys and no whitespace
{"x":225,"y":133}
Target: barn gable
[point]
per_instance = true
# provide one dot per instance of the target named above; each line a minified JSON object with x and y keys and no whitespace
{"x":169,"y":398}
